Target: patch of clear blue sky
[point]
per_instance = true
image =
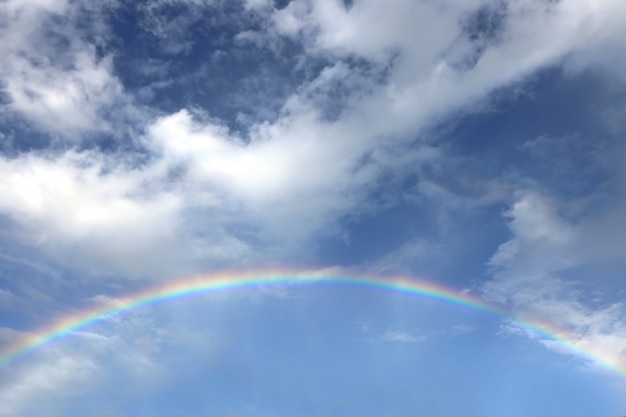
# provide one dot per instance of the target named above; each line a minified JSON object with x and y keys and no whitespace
{"x":196,"y":53}
{"x":310,"y":353}
{"x":564,"y":110}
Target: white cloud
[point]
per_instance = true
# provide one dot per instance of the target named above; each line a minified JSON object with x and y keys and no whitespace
{"x":67,"y":102}
{"x":288,"y":180}
{"x":49,"y":382}
{"x":30,"y":264}
{"x":207,"y":193}
{"x":258,"y":4}
{"x":474,"y":194}
{"x":410,"y":256}
{"x":54,"y":79}
{"x":427,"y":41}
{"x":74,"y":370}
{"x":458,"y":330}
{"x":545,"y":243}
{"x":541,"y":238}
{"x":536,"y":274}
{"x":369,"y":29}
{"x":397,"y":336}
{"x":10,"y":336}
{"x":85,"y":211}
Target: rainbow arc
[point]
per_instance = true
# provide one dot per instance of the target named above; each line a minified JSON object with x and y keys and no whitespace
{"x":231,"y":282}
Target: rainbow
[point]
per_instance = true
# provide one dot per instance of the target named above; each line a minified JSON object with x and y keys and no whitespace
{"x":232,"y":282}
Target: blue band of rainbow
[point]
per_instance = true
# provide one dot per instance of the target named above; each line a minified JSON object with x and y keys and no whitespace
{"x":226,"y":282}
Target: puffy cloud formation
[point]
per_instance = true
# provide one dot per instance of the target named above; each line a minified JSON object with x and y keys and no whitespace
{"x":388,"y":72}
{"x":531,"y":272}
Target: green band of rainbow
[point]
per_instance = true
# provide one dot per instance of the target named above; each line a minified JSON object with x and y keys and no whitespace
{"x":255,"y":280}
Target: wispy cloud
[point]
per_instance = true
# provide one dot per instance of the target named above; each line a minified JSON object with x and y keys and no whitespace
{"x":50,"y":382}
{"x":219,"y":196}
{"x":285,"y":180}
{"x":71,"y":372}
{"x":398,"y":336}
{"x":6,"y":298}
{"x":529,"y":273}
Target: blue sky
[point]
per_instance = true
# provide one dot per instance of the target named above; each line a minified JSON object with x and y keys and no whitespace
{"x":477,"y":144}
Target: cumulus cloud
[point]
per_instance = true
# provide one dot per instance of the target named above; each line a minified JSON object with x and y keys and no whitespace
{"x":67,"y":102}
{"x":48,"y":381}
{"x":279,"y":183}
{"x":545,"y":242}
{"x":530,"y":274}
{"x":52,"y":77}
{"x":76,"y":205}
{"x":285,"y":177}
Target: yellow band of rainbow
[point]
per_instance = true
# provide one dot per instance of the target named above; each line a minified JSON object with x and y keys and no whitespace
{"x":227,"y":282}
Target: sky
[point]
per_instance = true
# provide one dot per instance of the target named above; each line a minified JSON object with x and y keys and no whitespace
{"x":475,"y":145}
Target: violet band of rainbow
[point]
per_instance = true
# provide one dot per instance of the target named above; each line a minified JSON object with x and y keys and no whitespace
{"x":226,"y":282}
